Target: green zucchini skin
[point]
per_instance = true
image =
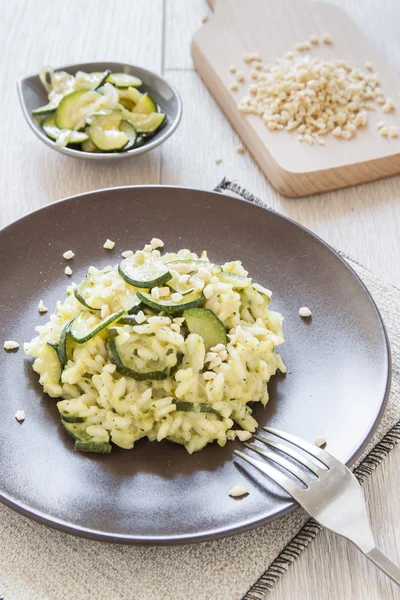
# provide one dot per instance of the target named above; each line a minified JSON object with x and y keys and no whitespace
{"x":81,"y":339}
{"x":65,"y":346}
{"x":194,"y":407}
{"x":207,"y":325}
{"x":94,"y":447}
{"x":124,"y":370}
{"x":189,"y":301}
{"x":137,"y":276}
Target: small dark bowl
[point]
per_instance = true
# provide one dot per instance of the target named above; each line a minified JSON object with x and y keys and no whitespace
{"x":32,"y":95}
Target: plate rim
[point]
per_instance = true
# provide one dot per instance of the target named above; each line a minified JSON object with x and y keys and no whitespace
{"x":213,"y":533}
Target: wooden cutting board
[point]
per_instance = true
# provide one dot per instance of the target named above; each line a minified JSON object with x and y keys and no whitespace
{"x":271,"y":28}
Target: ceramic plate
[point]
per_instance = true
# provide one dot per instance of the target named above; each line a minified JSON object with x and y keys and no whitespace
{"x":337,"y":382}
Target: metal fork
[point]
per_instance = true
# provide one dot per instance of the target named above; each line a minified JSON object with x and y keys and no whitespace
{"x":332,"y":494}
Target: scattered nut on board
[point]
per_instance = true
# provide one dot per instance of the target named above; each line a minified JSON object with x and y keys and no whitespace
{"x":240,"y":149}
{"x":320,"y":441}
{"x":10,"y":345}
{"x":68,"y":271}
{"x":304,"y":311}
{"x":204,"y":19}
{"x":20,"y":415}
{"x":218,"y":161}
{"x":108,"y":244}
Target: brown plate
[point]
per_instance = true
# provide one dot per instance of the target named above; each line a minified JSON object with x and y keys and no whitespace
{"x":337,"y":383}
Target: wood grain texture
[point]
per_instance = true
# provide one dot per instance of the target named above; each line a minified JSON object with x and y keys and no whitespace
{"x":364,"y":221}
{"x":273,"y":28}
{"x":36,"y":33}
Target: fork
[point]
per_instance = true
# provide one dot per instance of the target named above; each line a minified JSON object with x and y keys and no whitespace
{"x":330,"y":492}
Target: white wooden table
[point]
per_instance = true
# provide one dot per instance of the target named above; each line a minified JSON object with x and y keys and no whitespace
{"x":363,"y":221}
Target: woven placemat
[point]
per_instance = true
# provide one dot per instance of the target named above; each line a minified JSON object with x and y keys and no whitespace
{"x":37,"y":563}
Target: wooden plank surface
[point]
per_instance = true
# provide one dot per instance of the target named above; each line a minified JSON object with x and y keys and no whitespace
{"x":271,"y":29}
{"x":363,"y":221}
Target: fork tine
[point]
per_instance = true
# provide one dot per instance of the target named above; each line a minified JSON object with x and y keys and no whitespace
{"x":282,"y":480}
{"x":327,"y":459}
{"x":312,"y":463}
{"x":283,"y":462}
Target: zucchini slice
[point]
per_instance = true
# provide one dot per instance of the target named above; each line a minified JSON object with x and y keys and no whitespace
{"x":238,"y":282}
{"x":193,"y":407}
{"x":144,"y":123}
{"x":130,"y":94}
{"x":52,"y":131}
{"x":105,"y":133}
{"x":90,"y":81}
{"x":192,"y":300}
{"x":88,"y":146}
{"x":53,"y":365}
{"x":126,"y":361}
{"x":82,"y":330}
{"x":130,"y":133}
{"x":65,"y":346}
{"x":124,"y":80}
{"x":147,"y":275}
{"x":207,"y":325}
{"x":83,"y":441}
{"x":66,"y":415}
{"x":146,"y":105}
{"x":48,"y":108}
{"x":74,"y":107}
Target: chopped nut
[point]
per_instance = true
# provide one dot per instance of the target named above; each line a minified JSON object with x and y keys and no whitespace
{"x":247,"y":58}
{"x":240,"y":149}
{"x":387,"y":108}
{"x":232,"y":69}
{"x":233,"y":87}
{"x":327,"y":38}
{"x":126,"y":253}
{"x":204,"y":19}
{"x":42,"y":308}
{"x":238,"y":490}
{"x":218,"y":161}
{"x":303,"y":46}
{"x":10,"y":345}
{"x":156,"y":243}
{"x":304,"y":311}
{"x":320,"y":441}
{"x":108,"y":244}
{"x":20,"y":415}
{"x":140,"y":317}
{"x":243,"y":435}
{"x":254,"y":74}
{"x":68,"y":255}
{"x":380,"y":124}
{"x":369,"y":66}
{"x":289,"y":55}
{"x":155,"y":294}
{"x":240,"y":76}
{"x":314,"y":39}
{"x":394,"y":132}
{"x":384,"y":131}
{"x":68,"y":271}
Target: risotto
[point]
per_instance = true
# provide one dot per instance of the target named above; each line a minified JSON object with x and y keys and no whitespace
{"x":167,"y":346}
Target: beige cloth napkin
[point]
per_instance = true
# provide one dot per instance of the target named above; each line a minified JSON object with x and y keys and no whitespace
{"x":37,"y":563}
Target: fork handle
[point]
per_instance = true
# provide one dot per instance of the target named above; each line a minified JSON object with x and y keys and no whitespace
{"x":384,"y":564}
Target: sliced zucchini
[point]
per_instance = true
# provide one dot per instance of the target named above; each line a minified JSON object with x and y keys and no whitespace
{"x":144,"y":123}
{"x":147,"y":275}
{"x":53,"y":366}
{"x":90,"y":81}
{"x":130,"y":94}
{"x":140,"y":140}
{"x":66,"y":415}
{"x":193,"y":407}
{"x":124,"y":80}
{"x":133,"y":304}
{"x":192,"y":300}
{"x":105,"y":133}
{"x":65,"y":347}
{"x":83,"y":441}
{"x":207,"y":325}
{"x":82,"y":329}
{"x":74,"y":107}
{"x":130,"y":133}
{"x":88,"y":146}
{"x":126,"y":361}
{"x":53,"y":132}
{"x":238,"y":282}
{"x":146,"y":105}
{"x":48,"y":108}
{"x":92,"y":446}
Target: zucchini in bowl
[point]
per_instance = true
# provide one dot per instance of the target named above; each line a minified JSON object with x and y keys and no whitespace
{"x":100,"y":112}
